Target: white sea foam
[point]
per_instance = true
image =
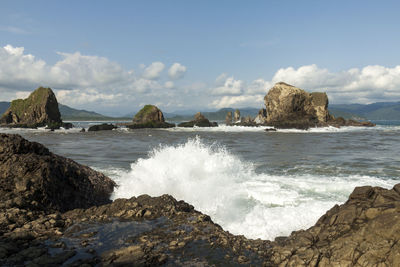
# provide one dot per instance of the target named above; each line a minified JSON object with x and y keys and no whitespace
{"x":228,"y":189}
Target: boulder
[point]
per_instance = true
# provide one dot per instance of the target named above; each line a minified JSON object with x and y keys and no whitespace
{"x":38,"y":110}
{"x":31,"y":177}
{"x":228,"y":118}
{"x":149,"y":116}
{"x":236,"y":116}
{"x":199,"y":121}
{"x":102,"y":127}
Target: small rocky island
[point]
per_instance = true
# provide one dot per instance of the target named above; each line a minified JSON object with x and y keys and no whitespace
{"x":54,"y":211}
{"x":149,"y":116}
{"x":38,"y":110}
{"x":199,"y":121}
{"x":290,"y":107}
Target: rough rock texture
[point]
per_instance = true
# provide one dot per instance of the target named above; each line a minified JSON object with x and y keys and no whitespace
{"x":102,"y":127}
{"x":34,"y":178}
{"x":228,"y":118}
{"x":365,"y":231}
{"x":149,"y":116}
{"x":291,"y":107}
{"x":261,"y":117}
{"x":39,"y":109}
{"x":236,"y":116}
{"x":199,"y":121}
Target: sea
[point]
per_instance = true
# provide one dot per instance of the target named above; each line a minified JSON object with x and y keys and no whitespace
{"x":251,"y":182}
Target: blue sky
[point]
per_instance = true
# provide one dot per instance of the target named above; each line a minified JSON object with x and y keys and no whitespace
{"x":100,"y":55}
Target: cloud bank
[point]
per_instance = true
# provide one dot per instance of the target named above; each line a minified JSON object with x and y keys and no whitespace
{"x":97,"y":83}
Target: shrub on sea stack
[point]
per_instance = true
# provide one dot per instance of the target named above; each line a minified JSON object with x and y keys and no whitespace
{"x":149,"y":116}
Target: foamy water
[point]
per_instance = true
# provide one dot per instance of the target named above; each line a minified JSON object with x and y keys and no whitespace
{"x":227,"y":188}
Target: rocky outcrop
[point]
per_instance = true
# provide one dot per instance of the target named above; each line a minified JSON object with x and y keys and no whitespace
{"x":261,"y":117}
{"x":291,"y":107}
{"x":33,"y":177}
{"x":199,"y":121}
{"x":153,"y":231}
{"x":102,"y":127}
{"x":149,"y":116}
{"x":236,"y":116}
{"x":228,"y":118}
{"x":364,"y":231}
{"x":38,"y":110}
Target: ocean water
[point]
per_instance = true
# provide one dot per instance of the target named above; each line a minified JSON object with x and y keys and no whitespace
{"x":252,"y":182}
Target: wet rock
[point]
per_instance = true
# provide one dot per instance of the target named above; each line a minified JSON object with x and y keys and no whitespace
{"x":261,"y":117}
{"x":38,"y":110}
{"x":101,"y":127}
{"x":199,"y":121}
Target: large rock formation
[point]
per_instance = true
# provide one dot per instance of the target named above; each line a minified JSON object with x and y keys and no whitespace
{"x":199,"y":121}
{"x":291,"y":107}
{"x":149,"y":116}
{"x":31,"y":176}
{"x":39,"y":109}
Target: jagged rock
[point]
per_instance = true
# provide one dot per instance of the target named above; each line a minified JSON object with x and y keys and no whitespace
{"x":149,"y":116}
{"x":364,"y":231}
{"x":291,"y":107}
{"x":228,"y":118}
{"x":39,"y":109}
{"x":261,"y":117}
{"x":199,"y":121}
{"x":31,"y":177}
{"x":102,"y":127}
{"x":236,"y":116}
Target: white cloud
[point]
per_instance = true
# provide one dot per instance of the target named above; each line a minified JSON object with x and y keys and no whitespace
{"x":176,"y":71}
{"x":153,"y":71}
{"x":169,"y":85}
{"x":229,"y":87}
{"x":238,"y":101}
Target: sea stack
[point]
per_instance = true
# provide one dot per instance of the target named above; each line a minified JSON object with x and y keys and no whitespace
{"x":199,"y":120}
{"x":236,"y":116}
{"x":228,"y":118}
{"x":38,"y":110}
{"x":149,"y":116}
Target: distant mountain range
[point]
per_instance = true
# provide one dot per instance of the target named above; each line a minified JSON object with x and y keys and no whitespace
{"x":375,"y":111}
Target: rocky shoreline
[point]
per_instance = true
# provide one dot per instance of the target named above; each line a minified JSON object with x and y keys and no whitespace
{"x":55,"y":211}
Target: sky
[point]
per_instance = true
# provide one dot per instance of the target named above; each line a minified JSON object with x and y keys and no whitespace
{"x":113,"y":57}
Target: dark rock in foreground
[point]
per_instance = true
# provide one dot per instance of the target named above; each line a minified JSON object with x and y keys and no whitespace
{"x":154,"y":231}
{"x":199,"y":121}
{"x":102,"y":127}
{"x":38,"y":110}
{"x":33,"y":178}
{"x":149,"y":116}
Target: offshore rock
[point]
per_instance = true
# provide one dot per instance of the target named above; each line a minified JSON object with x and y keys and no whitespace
{"x":261,"y":117}
{"x":38,"y":110}
{"x":228,"y":118}
{"x":31,"y":177}
{"x":199,"y":121}
{"x":291,"y":107}
{"x":149,"y":116}
{"x":102,"y":127}
{"x":236,"y":116}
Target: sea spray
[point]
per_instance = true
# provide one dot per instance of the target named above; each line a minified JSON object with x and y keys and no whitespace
{"x":227,"y":188}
